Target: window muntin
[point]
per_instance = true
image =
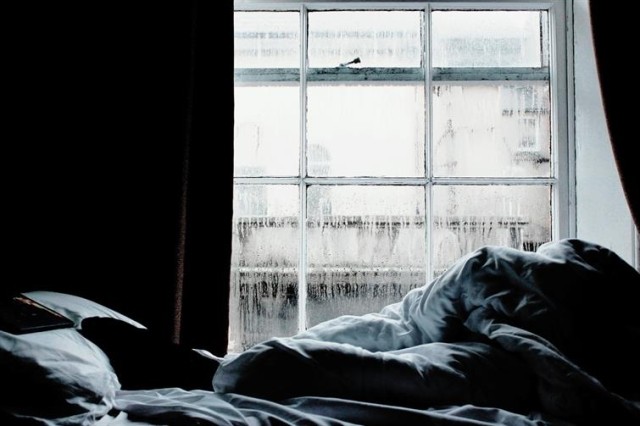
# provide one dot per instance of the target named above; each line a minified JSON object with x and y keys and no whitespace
{"x":459,"y":205}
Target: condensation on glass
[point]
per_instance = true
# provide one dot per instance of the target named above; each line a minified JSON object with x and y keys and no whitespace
{"x":366,"y":248}
{"x":375,"y":38}
{"x":487,"y":120}
{"x":264,"y":264}
{"x":266,"y":39}
{"x":266,"y":130}
{"x":267,"y":117}
{"x":466,"y":217}
{"x":492,"y":129}
{"x":489,"y":39}
{"x":366,"y":129}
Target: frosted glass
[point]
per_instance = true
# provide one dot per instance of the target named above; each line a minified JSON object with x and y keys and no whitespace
{"x":366,"y":129}
{"x":266,"y":130}
{"x":366,"y":248}
{"x":266,"y":39}
{"x":377,"y":38}
{"x":488,"y":39}
{"x":264,"y":264}
{"x":492,"y":129}
{"x":468,"y":217}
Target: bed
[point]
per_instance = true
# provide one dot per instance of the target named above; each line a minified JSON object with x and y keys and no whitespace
{"x":503,"y":337}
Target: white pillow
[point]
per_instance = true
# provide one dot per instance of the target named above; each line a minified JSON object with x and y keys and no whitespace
{"x":77,"y":308}
{"x":58,"y":376}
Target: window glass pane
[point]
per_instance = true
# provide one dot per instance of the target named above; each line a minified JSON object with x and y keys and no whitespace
{"x":264,"y":265}
{"x":371,"y":129}
{"x":492,"y":129}
{"x":267,"y":130}
{"x":366,"y":245}
{"x":468,"y":217}
{"x":266,"y":39}
{"x":377,"y":38}
{"x":366,"y":248}
{"x":487,"y":38}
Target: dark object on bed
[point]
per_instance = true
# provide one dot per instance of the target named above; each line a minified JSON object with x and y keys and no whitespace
{"x":504,"y":337}
{"x":20,"y":314}
{"x":137,"y":356}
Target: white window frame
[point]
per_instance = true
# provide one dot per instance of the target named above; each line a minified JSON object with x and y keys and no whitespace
{"x":559,"y":74}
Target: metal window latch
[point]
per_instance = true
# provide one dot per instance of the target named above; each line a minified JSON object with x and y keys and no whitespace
{"x":353,"y":61}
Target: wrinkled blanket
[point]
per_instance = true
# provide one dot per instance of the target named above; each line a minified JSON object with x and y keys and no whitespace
{"x":553,"y":334}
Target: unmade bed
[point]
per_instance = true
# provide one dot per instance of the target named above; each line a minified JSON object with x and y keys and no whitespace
{"x":503,"y":337}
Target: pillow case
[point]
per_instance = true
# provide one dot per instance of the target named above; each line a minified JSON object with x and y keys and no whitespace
{"x":77,"y":308}
{"x":58,"y":376}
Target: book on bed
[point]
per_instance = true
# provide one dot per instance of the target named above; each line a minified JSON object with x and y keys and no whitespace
{"x":20,"y":314}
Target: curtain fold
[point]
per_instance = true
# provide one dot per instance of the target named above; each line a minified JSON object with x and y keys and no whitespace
{"x":201,"y":308}
{"x":614,"y":36}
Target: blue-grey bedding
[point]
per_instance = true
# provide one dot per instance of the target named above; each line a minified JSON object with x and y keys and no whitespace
{"x":504,"y":337}
{"x":553,"y":334}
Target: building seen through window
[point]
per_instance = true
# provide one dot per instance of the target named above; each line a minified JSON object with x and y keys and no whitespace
{"x":359,"y":180}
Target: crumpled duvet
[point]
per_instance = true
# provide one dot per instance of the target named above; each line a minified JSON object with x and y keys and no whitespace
{"x":546,"y":337}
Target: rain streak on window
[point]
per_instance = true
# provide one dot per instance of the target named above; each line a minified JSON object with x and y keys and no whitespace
{"x":366,"y":248}
{"x":264,"y":264}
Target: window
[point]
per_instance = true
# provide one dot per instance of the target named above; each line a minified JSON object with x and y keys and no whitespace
{"x":376,"y":145}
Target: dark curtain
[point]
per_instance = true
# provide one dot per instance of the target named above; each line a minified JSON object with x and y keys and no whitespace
{"x":202,"y":308}
{"x":614,"y":36}
{"x":106,"y":99}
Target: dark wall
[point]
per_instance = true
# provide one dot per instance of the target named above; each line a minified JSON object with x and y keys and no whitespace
{"x":99,"y":105}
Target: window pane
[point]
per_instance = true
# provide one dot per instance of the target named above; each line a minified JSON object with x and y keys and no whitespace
{"x":365,"y":129}
{"x":468,"y":217}
{"x":266,"y":39}
{"x":366,"y":248}
{"x":487,"y":39}
{"x":492,"y":129}
{"x":377,"y":38}
{"x":267,"y":130}
{"x":264,"y":264}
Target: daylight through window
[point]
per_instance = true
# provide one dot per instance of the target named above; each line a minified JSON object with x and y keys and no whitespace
{"x":375,"y":147}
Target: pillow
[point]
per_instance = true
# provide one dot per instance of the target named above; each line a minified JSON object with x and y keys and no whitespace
{"x":59,"y":376}
{"x":77,"y":308}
